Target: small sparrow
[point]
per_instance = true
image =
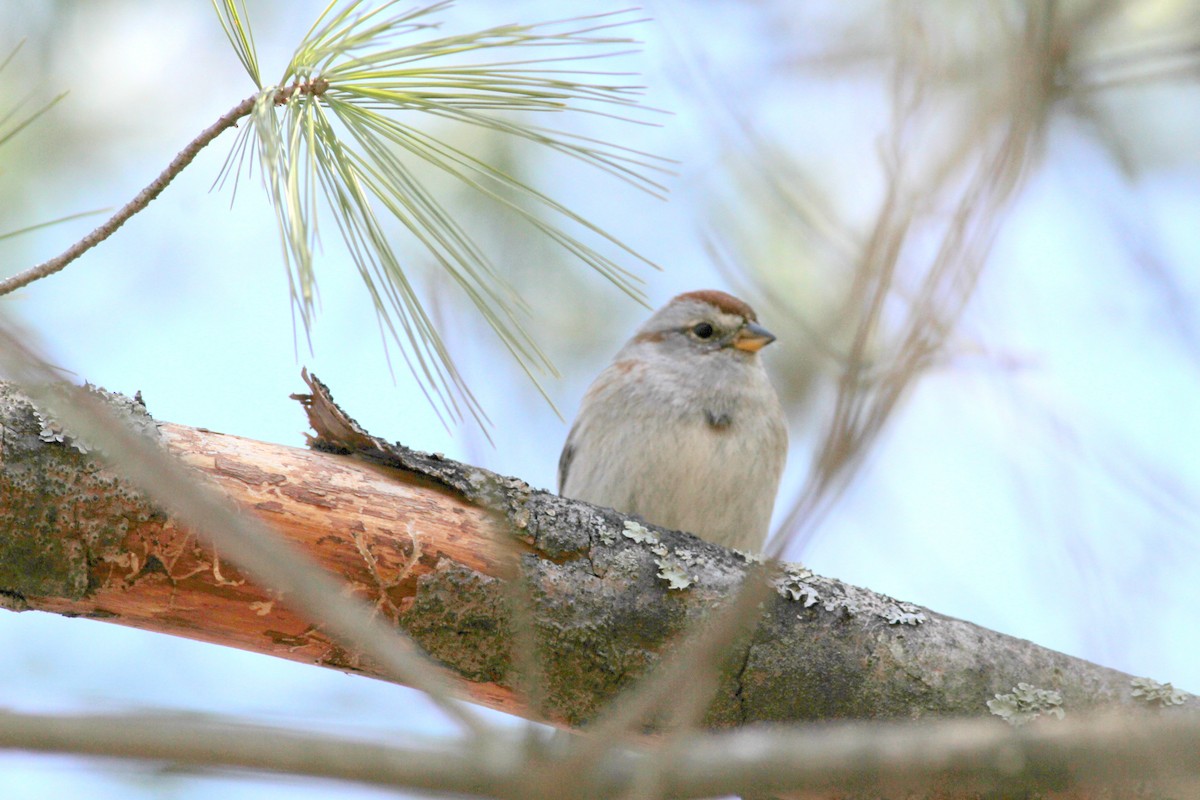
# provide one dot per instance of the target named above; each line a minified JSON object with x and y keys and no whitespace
{"x":683,"y":428}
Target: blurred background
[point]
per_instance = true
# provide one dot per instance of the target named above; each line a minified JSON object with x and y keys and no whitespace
{"x":973,"y":227}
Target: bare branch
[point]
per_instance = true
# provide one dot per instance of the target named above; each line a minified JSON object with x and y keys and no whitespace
{"x":144,"y":198}
{"x":1121,"y":756}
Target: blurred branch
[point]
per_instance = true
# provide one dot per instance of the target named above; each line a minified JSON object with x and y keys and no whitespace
{"x":880,"y":311}
{"x":8,"y":127}
{"x":48,"y":223}
{"x":676,"y":695}
{"x":208,"y":742}
{"x":1140,"y":64}
{"x":1109,"y":756}
{"x":984,"y":170}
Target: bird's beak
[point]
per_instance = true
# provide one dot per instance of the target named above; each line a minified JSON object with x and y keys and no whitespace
{"x":752,"y":337}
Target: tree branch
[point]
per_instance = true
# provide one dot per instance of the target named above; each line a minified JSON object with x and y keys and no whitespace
{"x":144,"y":197}
{"x":126,"y":439}
{"x":433,"y":562}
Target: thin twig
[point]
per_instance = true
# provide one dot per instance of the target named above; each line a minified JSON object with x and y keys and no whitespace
{"x":144,"y":197}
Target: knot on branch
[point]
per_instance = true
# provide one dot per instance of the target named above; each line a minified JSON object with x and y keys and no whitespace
{"x":315,"y":88}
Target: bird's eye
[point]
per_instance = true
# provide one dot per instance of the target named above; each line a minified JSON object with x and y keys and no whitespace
{"x":703,"y":330}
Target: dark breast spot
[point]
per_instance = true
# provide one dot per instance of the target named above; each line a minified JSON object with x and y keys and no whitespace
{"x":719,"y":420}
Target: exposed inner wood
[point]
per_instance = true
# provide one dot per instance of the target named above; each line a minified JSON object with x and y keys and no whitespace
{"x":378,"y":529}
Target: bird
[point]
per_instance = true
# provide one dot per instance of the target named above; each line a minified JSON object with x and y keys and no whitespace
{"x":684,"y":429}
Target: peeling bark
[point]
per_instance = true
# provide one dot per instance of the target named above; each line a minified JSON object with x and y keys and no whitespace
{"x":434,"y":545}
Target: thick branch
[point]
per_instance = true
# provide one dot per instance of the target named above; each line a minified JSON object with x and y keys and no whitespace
{"x":75,"y":540}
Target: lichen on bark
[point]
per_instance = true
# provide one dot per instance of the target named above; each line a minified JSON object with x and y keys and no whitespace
{"x":68,"y":505}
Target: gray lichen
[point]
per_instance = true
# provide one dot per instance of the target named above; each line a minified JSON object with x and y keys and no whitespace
{"x":53,"y":432}
{"x":799,"y":584}
{"x":904,"y":614}
{"x":748,"y":557}
{"x":673,"y":572}
{"x":68,"y":509}
{"x":130,"y":409}
{"x":1025,"y":703}
{"x":639,"y":533}
{"x":1153,"y":693}
{"x":793,"y":585}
